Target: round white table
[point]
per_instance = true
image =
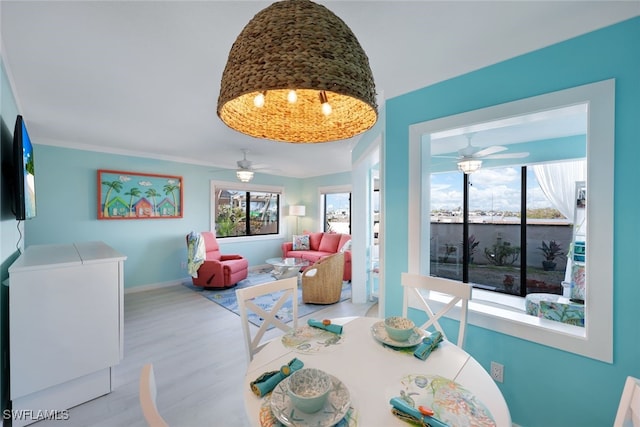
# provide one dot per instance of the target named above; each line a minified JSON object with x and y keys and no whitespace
{"x":372,"y":373}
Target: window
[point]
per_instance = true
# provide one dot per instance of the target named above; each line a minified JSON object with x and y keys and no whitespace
{"x":245,"y":212}
{"x":496,"y":258}
{"x":504,"y":313}
{"x":337,"y":212}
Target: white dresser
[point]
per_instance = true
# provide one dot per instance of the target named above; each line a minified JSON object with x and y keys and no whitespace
{"x":65,"y":325}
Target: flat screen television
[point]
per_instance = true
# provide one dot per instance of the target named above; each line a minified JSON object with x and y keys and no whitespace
{"x":24,"y":189}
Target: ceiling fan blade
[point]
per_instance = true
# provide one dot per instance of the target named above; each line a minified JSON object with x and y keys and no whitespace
{"x":508,"y":156}
{"x":259,"y":166}
{"x":489,"y":150}
{"x":445,"y":157}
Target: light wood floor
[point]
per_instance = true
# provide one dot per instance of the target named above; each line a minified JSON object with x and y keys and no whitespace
{"x":199,"y":359}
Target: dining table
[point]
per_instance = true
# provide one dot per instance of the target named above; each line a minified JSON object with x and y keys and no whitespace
{"x":370,"y":369}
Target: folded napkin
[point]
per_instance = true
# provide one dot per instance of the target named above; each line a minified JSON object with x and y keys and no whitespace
{"x":326,"y":325}
{"x":269,"y":380}
{"x":404,"y":411}
{"x":427,"y":345}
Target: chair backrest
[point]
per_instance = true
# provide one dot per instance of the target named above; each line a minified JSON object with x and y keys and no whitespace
{"x":629,"y":408}
{"x":332,"y":266}
{"x":458,"y":291}
{"x":245,"y":296}
{"x":211,"y":245}
{"x":148,"y":397}
{"x":322,"y":282}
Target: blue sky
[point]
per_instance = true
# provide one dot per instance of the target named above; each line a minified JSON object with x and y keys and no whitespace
{"x":337,"y":201}
{"x":495,"y":189}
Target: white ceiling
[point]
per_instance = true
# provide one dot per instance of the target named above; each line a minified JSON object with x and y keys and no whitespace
{"x":142,"y":77}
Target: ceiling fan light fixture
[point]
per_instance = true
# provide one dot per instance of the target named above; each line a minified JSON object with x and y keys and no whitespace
{"x":469,"y":166}
{"x":301,"y":46}
{"x":244,"y":175}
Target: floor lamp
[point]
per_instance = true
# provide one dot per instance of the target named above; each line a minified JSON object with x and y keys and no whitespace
{"x":297,"y":211}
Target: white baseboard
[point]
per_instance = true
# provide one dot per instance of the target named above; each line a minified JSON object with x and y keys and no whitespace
{"x":151,"y":286}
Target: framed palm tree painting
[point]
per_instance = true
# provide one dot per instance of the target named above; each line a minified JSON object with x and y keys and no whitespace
{"x":134,"y":195}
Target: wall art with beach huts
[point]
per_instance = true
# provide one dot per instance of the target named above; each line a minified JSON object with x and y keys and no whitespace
{"x":134,"y":195}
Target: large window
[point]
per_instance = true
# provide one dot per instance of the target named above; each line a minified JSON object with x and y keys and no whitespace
{"x":497,"y":220}
{"x":245,"y":212}
{"x":337,"y":212}
{"x":502,"y":312}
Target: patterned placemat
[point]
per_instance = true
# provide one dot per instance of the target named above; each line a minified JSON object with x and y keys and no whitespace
{"x":451,"y":403}
{"x":308,"y":340}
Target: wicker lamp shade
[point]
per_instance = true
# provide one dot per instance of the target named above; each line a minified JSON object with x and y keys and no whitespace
{"x":297,"y":45}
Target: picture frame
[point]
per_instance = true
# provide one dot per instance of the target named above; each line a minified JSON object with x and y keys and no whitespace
{"x":136,"y":195}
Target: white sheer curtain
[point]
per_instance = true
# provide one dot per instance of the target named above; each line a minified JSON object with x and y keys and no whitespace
{"x":558,"y":183}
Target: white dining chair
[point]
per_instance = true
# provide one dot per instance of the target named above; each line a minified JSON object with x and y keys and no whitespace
{"x":629,"y":407}
{"x":148,"y":394}
{"x":457,"y":291}
{"x":245,"y":296}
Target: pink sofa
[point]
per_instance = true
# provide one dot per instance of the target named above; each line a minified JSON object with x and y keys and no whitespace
{"x":320,"y":245}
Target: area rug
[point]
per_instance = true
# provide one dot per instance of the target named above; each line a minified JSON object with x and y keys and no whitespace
{"x":227,"y":298}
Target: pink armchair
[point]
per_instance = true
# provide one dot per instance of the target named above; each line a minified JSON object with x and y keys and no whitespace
{"x":219,"y":271}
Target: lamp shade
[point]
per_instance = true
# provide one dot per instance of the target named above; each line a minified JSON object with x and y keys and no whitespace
{"x":297,"y":73}
{"x":296,"y":210}
{"x":469,"y":166}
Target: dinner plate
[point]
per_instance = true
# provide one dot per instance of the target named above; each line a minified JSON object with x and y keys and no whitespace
{"x":334,"y":409}
{"x":380,"y":333}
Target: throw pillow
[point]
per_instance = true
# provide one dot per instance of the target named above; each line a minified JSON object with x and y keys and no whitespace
{"x":301,"y":242}
{"x":346,"y":246}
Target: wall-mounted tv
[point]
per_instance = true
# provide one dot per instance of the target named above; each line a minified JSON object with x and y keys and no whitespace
{"x":24,"y":188}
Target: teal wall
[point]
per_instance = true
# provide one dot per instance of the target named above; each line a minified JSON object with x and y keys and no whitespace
{"x":543,"y":386}
{"x":66,"y":186}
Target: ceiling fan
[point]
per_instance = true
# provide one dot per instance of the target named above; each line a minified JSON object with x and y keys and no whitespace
{"x":470,"y":158}
{"x":246,"y":168}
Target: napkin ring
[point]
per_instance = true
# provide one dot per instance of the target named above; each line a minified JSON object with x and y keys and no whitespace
{"x":410,"y":418}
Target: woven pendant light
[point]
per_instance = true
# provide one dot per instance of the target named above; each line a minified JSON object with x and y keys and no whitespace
{"x":289,"y":60}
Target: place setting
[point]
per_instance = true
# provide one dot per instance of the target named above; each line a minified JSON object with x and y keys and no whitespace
{"x":314,"y":337}
{"x":299,"y":396}
{"x":400,"y":334}
{"x":437,"y":401}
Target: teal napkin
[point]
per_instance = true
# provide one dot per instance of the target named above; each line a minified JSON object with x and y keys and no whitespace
{"x":427,"y":345}
{"x":269,"y":380}
{"x":401,"y":409}
{"x":336,"y":329}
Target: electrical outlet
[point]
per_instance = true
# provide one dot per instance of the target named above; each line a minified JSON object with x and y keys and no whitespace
{"x":183,"y":265}
{"x":497,"y":372}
